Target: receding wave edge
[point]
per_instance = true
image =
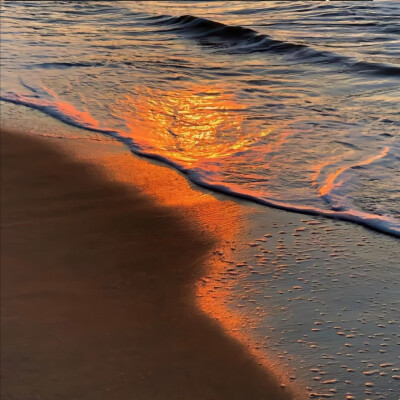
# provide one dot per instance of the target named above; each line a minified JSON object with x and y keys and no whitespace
{"x":378,"y":223}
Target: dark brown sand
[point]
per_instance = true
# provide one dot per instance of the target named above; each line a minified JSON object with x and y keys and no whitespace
{"x":97,"y":292}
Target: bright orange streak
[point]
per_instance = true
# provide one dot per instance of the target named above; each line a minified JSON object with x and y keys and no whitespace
{"x":68,"y":109}
{"x":330,"y":182}
{"x":317,"y":170}
{"x":83,"y":116}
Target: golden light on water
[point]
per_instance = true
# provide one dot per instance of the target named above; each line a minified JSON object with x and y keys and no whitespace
{"x":187,"y":125}
{"x":332,"y":181}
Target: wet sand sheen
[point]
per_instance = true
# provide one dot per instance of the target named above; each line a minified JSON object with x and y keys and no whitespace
{"x":98,"y":291}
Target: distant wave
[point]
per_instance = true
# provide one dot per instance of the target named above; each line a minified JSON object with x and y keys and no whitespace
{"x":64,"y":65}
{"x":246,"y":40}
{"x":78,"y":64}
{"x":65,"y":112}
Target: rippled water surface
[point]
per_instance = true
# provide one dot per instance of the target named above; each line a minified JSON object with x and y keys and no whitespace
{"x":292,"y":104}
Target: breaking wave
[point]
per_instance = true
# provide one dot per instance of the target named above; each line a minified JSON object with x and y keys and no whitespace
{"x":246,"y":40}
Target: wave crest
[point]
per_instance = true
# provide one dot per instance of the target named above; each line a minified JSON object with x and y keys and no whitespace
{"x":246,"y":40}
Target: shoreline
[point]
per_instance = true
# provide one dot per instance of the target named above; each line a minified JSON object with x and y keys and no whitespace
{"x":89,"y":307}
{"x":377,"y":223}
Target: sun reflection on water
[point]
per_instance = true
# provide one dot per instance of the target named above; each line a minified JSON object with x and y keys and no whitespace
{"x":187,"y":125}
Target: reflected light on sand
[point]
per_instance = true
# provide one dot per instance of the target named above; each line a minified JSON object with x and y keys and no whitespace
{"x":188,"y":126}
{"x":218,"y":218}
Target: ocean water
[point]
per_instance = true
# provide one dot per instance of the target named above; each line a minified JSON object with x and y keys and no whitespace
{"x":290,"y":104}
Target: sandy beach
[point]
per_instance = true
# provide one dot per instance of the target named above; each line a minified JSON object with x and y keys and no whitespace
{"x":98,"y":289}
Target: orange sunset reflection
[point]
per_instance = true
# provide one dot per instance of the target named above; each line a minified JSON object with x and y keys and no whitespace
{"x":187,"y":125}
{"x":331,"y":181}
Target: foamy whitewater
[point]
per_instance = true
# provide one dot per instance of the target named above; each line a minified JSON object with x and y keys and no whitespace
{"x":293,"y":105}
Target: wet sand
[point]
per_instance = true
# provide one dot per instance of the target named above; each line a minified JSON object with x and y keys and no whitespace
{"x":98,"y":291}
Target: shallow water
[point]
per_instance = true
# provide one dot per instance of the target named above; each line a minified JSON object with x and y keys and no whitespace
{"x":289,"y":104}
{"x":319,"y":298}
